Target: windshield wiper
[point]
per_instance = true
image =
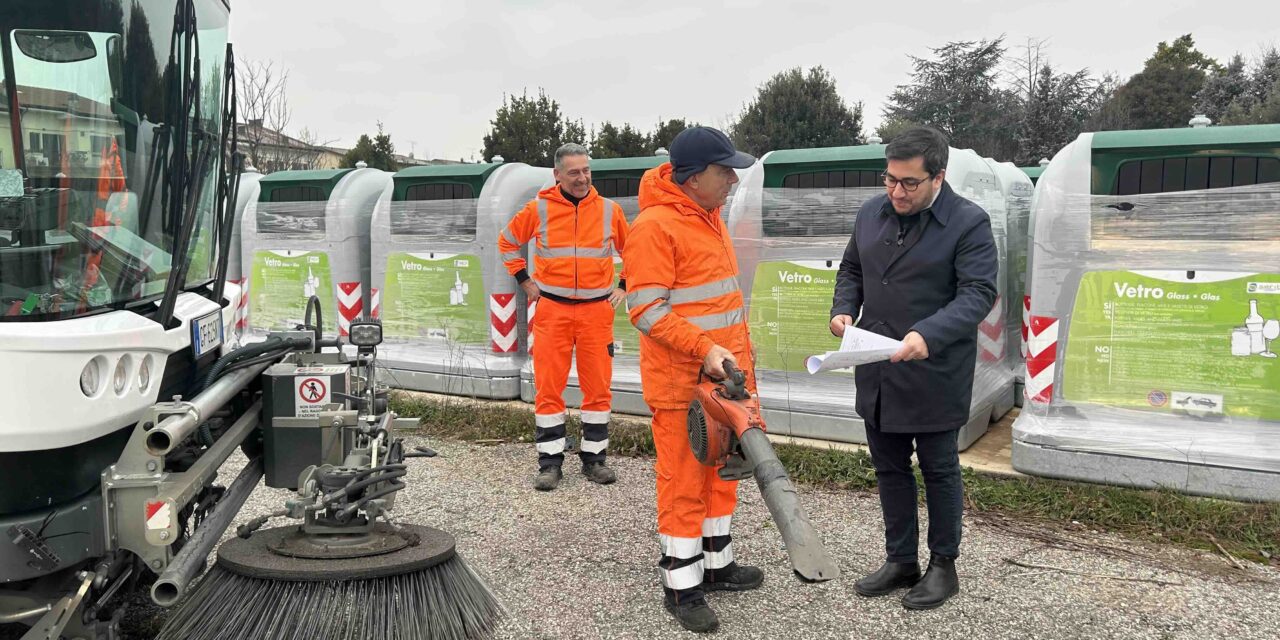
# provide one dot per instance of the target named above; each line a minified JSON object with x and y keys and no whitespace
{"x":178,"y":177}
{"x":228,"y":180}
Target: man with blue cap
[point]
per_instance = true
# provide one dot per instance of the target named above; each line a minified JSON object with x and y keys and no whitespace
{"x":682,"y":278}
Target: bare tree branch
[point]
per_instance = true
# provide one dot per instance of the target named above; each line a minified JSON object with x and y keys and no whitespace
{"x":265,"y":112}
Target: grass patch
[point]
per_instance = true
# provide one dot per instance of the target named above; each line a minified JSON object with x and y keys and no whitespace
{"x":1247,"y":530}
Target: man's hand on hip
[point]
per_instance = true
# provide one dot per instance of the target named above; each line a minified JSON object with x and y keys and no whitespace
{"x":713,"y":364}
{"x":531,"y":289}
{"x":839,"y":323}
{"x":617,"y":297}
{"x":913,"y":348}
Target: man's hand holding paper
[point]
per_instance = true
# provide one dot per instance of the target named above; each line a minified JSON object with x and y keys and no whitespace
{"x":858,"y":346}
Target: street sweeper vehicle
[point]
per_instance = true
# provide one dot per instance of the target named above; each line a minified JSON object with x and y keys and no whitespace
{"x":122,"y":399}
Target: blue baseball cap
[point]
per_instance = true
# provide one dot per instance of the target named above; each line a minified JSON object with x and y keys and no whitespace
{"x":696,"y":148}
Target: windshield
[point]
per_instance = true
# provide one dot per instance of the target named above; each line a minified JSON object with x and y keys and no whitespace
{"x":85,"y":217}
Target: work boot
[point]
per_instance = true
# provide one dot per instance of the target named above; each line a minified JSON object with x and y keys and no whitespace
{"x":598,"y":473}
{"x":732,"y":577}
{"x":893,"y":575}
{"x":693,"y":614}
{"x":547,"y":479}
{"x":939,"y":583}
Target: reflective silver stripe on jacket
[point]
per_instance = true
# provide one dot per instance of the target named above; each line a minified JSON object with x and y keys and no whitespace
{"x":708,"y":322}
{"x":717,"y":320}
{"x":572,"y":252}
{"x":651,"y":316}
{"x":608,"y":220}
{"x":704,"y":291}
{"x":542,"y":220}
{"x":641,"y":297}
{"x":569,"y":292}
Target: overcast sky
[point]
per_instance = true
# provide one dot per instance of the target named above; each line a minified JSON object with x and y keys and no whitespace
{"x":434,"y":72}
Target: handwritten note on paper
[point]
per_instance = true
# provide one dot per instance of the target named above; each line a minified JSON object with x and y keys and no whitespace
{"x":857,"y":347}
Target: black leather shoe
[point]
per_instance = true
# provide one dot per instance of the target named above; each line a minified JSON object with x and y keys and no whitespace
{"x":939,"y":583}
{"x":732,"y":577}
{"x":893,"y":575}
{"x":694,"y":615}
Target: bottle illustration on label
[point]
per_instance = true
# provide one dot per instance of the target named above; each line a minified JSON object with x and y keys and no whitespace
{"x":1255,"y":337}
{"x":1254,"y":323}
{"x":310,"y":285}
{"x":457,"y":295}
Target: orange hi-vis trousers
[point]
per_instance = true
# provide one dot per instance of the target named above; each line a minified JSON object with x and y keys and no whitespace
{"x":559,"y":330}
{"x":695,"y":507}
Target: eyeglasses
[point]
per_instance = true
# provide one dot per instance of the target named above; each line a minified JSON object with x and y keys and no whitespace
{"x":908,"y":184}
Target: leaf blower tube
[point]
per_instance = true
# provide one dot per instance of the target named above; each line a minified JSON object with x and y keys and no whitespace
{"x":727,"y":430}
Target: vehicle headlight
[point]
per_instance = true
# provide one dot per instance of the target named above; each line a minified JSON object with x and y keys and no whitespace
{"x":144,"y":374}
{"x":120,"y":379}
{"x":91,"y":377}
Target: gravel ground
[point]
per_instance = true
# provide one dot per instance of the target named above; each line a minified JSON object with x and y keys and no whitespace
{"x":579,"y":562}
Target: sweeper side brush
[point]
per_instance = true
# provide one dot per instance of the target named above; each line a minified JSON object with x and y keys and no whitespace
{"x":398,"y":583}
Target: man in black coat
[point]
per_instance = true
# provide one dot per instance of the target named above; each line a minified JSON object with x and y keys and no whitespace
{"x":921,"y":267}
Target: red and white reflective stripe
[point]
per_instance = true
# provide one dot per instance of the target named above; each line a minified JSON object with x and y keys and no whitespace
{"x":1026,"y":313}
{"x":991,"y":334}
{"x":375,"y":301}
{"x":242,"y":310}
{"x":159,"y":514}
{"x":350,"y":305}
{"x":532,"y":306}
{"x":502,"y":322}
{"x":1042,"y":354}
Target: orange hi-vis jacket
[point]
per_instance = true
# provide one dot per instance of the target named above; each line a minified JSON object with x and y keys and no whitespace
{"x":683,"y":294}
{"x":573,"y":256}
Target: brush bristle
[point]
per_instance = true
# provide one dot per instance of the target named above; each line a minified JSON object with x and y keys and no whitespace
{"x":448,"y":601}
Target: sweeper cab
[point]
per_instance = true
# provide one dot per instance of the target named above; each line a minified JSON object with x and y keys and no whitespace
{"x":123,"y":392}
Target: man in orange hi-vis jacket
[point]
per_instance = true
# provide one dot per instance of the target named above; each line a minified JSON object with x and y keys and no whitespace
{"x":577,"y":233}
{"x":684,"y":299}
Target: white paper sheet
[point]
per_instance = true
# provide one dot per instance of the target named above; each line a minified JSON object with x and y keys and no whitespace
{"x":857,"y":347}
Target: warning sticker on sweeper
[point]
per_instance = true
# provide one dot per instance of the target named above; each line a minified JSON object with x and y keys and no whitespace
{"x":311,"y":389}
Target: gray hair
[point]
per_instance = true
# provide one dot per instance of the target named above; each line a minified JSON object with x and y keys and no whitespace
{"x":569,"y":149}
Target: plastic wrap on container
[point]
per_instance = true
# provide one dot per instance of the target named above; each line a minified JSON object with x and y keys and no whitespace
{"x":1155,"y":321}
{"x":293,"y":250}
{"x":246,"y":200}
{"x":431,"y":295}
{"x":447,"y":304}
{"x":1018,"y":190}
{"x":246,"y":197}
{"x":789,"y":243}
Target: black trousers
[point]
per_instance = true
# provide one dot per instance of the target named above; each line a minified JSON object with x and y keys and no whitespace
{"x":939,"y":457}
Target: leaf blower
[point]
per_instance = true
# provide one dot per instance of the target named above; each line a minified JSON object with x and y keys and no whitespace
{"x":726,"y":430}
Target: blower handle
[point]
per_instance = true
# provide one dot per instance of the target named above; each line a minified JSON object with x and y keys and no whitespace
{"x":735,"y":381}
